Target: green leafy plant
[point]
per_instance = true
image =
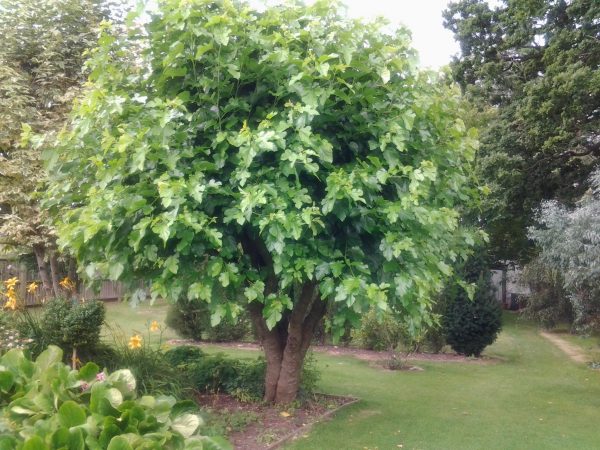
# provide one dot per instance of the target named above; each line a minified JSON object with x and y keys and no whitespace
{"x":243,"y":379}
{"x":72,"y":325}
{"x":192,"y":319}
{"x":267,"y":163}
{"x":146,"y":359}
{"x":380,"y":332}
{"x":470,"y":325}
{"x":46,"y":405}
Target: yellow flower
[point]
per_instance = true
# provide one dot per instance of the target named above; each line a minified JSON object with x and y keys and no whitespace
{"x":32,"y":287}
{"x":154,"y":326}
{"x":11,"y":283}
{"x":135,"y":341}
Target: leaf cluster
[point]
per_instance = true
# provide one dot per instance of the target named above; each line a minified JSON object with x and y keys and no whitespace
{"x":46,"y":405}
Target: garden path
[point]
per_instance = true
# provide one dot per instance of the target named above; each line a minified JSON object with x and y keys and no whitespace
{"x":572,"y":351}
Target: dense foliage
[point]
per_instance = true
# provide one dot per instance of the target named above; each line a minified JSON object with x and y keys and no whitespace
{"x":569,"y":242}
{"x":470,"y":325}
{"x":41,"y":60}
{"x":70,"y":324}
{"x":548,"y":302}
{"x":531,"y":68}
{"x":45,"y":405}
{"x":191,"y":320}
{"x":241,"y":378}
{"x":293,"y":155}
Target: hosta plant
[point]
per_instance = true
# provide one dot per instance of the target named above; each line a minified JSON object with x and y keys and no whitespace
{"x":46,"y":405}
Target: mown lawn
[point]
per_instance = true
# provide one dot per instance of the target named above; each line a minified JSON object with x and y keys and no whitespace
{"x":533,"y":397}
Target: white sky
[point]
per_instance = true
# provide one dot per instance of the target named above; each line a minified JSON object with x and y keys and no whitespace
{"x":434,"y":43}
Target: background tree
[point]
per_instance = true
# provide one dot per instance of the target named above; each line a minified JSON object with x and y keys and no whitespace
{"x":293,"y":155}
{"x":569,"y":242}
{"x":532,"y":67}
{"x":41,"y":60}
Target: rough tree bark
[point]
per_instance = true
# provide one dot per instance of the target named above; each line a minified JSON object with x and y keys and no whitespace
{"x":285,"y":345}
{"x":40,"y":257}
{"x":54,"y":274}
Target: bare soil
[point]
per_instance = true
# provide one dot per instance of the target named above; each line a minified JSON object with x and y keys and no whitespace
{"x":365,"y":355}
{"x":270,"y":426}
{"x":571,"y":350}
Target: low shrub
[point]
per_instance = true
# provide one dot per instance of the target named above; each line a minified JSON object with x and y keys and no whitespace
{"x":244,"y":379}
{"x":47,"y":405}
{"x":146,"y":360}
{"x":191,"y":320}
{"x":380,"y":332}
{"x":71,"y":325}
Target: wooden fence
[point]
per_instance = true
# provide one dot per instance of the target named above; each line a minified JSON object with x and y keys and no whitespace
{"x":109,"y":290}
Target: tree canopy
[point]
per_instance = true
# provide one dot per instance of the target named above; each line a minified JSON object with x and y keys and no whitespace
{"x":276,"y":162}
{"x":532,"y":68}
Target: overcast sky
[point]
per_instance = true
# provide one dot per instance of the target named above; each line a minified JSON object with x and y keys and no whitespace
{"x":434,"y":43}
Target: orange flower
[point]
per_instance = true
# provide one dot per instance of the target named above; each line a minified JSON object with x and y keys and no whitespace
{"x":154,"y":326}
{"x":67,"y":284}
{"x":32,"y":287}
{"x":135,"y":341}
{"x":11,"y":303}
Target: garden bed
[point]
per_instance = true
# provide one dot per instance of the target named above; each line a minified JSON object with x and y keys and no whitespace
{"x":256,"y":426}
{"x":366,"y":355}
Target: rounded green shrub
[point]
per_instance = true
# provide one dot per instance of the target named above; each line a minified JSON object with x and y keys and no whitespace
{"x":379,"y":332}
{"x":191,"y":320}
{"x":72,"y":324}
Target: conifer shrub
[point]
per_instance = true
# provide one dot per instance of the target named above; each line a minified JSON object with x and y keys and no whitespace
{"x":472,"y":325}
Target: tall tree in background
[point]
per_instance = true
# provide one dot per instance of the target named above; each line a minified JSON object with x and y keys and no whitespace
{"x":41,"y":61}
{"x":533,"y":67}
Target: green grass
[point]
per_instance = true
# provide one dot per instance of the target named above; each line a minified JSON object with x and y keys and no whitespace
{"x":121,"y":317}
{"x":534,"y":397}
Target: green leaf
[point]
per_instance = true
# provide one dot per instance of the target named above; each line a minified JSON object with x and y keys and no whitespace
{"x":186,"y":424}
{"x":385,"y":75}
{"x":35,"y":443}
{"x":52,"y":355}
{"x":89,"y":371}
{"x":203,"y":49}
{"x":6,"y":380}
{"x":119,"y":443}
{"x":70,"y":414}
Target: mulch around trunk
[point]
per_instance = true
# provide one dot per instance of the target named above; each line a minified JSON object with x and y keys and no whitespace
{"x":256,"y":426}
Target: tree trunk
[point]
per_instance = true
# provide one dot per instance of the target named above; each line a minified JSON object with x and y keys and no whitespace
{"x":40,"y":257}
{"x":285,"y":346}
{"x":54,"y":274}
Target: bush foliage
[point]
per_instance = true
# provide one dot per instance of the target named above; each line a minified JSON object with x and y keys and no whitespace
{"x":472,"y":325}
{"x":46,"y":405}
{"x":192,"y":320}
{"x":244,"y":379}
